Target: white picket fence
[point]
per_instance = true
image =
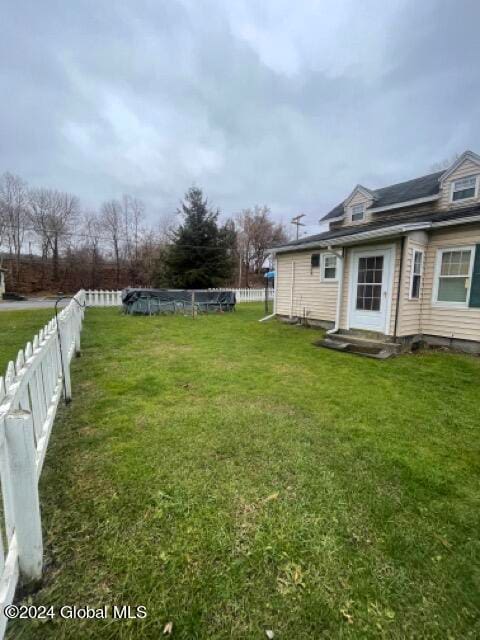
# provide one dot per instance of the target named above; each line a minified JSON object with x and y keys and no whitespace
{"x":249,"y":295}
{"x":29,"y":395}
{"x":100,"y":298}
{"x":114,"y":298}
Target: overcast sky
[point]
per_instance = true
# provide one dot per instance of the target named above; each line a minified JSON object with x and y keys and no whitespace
{"x":274,"y":102}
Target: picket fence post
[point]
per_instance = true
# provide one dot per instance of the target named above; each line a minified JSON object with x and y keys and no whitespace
{"x":24,"y":493}
{"x":67,"y":388}
{"x":77,"y":327}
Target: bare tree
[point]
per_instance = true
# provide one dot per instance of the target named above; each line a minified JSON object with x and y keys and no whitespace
{"x":3,"y":227}
{"x":137,"y":210}
{"x":53,"y":215}
{"x":39,"y":201}
{"x":256,"y":233}
{"x":133,"y":211}
{"x":150,"y":251}
{"x":112,"y":223}
{"x":126,"y":224}
{"x":13,"y":207}
{"x":92,"y":234}
{"x":69,"y":248}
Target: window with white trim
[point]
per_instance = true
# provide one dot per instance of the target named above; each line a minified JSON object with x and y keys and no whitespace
{"x":329,"y":267}
{"x":464,"y":188}
{"x":358,"y":211}
{"x":453,"y":279}
{"x":417,"y":274}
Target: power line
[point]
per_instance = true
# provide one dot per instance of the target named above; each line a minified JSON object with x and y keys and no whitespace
{"x":108,"y":239}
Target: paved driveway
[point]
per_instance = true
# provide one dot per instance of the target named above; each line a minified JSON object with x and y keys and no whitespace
{"x":34,"y":303}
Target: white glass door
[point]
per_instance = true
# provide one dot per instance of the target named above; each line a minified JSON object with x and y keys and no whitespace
{"x":370,"y":290}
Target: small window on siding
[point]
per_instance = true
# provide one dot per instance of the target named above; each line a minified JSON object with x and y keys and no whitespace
{"x":329,"y":268}
{"x":315,"y":261}
{"x":417,"y":273}
{"x":464,"y":188}
{"x":358,"y":211}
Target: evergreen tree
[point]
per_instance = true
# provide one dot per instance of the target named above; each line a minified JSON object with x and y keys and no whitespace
{"x":201,"y":255}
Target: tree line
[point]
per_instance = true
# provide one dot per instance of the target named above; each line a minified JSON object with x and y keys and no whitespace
{"x":50,"y":243}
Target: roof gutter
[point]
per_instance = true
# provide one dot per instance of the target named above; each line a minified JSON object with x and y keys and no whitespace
{"x":336,"y":219}
{"x":406,"y":203}
{"x":354,"y":238}
{"x":449,"y":223}
{"x":382,"y":232}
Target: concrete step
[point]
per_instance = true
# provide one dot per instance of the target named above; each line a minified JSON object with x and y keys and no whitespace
{"x":361,"y":347}
{"x":366,"y":334}
{"x":362,"y":341}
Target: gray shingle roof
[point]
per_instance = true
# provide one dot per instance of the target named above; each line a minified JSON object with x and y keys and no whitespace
{"x":402,"y":192}
{"x":432,"y":216}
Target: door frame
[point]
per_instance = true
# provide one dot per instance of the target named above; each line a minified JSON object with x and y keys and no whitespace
{"x":352,"y":294}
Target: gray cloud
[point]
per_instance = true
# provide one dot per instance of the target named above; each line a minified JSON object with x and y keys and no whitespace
{"x":285,"y":104}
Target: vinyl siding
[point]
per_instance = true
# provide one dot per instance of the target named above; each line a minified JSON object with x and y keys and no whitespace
{"x":310,"y":295}
{"x":453,"y":322}
{"x":411,"y":310}
{"x":396,"y":277}
{"x":467,"y":168}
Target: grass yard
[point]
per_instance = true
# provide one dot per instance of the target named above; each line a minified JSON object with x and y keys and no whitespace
{"x":17,"y":328}
{"x":232,"y":478}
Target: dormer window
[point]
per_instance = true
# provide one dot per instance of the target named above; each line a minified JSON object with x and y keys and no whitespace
{"x":464,"y":188}
{"x":358,"y":212}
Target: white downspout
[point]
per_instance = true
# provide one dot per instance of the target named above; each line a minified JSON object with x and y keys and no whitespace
{"x":340,"y":256}
{"x":275,"y":293}
{"x":272,"y":315}
{"x":292,"y":285}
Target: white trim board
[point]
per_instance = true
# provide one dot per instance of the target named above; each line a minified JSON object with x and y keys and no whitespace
{"x":405,"y":203}
{"x":382,"y":232}
{"x":466,"y":155}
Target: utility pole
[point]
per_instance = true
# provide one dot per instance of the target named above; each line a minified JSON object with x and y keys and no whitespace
{"x":297,"y":223}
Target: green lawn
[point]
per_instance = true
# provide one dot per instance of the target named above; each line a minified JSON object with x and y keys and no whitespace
{"x":17,"y":328}
{"x":233,"y":478}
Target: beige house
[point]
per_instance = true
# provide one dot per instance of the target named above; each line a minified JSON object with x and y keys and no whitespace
{"x":402,"y":261}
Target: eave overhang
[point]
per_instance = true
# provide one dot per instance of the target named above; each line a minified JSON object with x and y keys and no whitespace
{"x":373,"y":234}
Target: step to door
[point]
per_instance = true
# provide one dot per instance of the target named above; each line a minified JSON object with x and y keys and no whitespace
{"x":362,"y":341}
{"x":361,"y":347}
{"x":364,"y":333}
